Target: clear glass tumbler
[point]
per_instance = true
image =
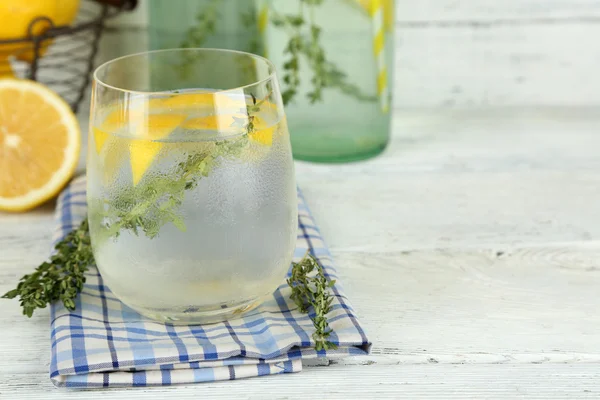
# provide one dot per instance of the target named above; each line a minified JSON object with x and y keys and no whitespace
{"x":191,"y":189}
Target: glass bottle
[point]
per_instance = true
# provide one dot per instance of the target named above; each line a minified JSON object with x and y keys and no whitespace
{"x":337,"y":90}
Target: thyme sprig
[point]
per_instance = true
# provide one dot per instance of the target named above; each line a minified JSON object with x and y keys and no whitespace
{"x":311,"y":288}
{"x":60,"y":278}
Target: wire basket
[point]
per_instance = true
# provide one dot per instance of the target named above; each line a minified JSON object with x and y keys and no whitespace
{"x":62,"y":57}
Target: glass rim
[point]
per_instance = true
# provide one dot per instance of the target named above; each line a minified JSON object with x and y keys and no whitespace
{"x":269,"y":63}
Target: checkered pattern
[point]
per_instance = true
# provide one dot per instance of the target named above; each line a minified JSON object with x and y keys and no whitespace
{"x":104,"y":343}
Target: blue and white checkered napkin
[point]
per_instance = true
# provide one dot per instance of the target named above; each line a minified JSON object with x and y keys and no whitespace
{"x":104,"y":343}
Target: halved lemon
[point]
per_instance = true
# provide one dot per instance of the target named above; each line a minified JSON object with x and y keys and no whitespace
{"x":39,"y":144}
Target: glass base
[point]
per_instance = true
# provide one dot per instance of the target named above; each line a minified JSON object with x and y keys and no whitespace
{"x":201,"y":315}
{"x":337,"y":157}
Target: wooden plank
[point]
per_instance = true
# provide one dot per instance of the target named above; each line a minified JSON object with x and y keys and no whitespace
{"x":432,"y":12}
{"x":373,"y":381}
{"x":503,"y":305}
{"x":528,"y":65}
{"x":404,"y":211}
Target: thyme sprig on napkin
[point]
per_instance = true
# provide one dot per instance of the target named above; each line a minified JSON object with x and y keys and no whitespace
{"x":310,"y":288}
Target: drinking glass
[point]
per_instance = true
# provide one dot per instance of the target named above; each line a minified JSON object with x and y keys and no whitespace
{"x":190,"y":183}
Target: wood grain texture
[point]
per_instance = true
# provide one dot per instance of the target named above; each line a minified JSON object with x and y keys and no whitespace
{"x":470,"y":250}
{"x":432,"y":381}
{"x":498,"y":65}
{"x":483,"y":12}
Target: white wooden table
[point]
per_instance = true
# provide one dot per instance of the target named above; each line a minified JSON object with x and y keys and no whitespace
{"x":470,"y":250}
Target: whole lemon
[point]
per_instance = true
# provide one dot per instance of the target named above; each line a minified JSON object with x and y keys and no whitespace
{"x":16,"y":15}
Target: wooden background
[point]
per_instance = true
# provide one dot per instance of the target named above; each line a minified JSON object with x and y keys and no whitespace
{"x":474,"y":53}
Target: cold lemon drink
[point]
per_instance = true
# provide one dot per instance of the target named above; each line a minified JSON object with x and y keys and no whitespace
{"x":192,"y":198}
